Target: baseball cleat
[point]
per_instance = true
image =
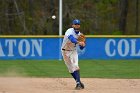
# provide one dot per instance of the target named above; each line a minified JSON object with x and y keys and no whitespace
{"x":79,"y":86}
{"x":82,"y":85}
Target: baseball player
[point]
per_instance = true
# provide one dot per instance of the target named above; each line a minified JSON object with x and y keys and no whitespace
{"x":69,"y":51}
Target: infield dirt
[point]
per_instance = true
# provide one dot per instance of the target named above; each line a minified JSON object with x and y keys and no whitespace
{"x":67,"y":85}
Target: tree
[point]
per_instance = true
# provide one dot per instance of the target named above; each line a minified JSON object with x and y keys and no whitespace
{"x":137,"y":17}
{"x":10,"y":16}
{"x":123,"y":15}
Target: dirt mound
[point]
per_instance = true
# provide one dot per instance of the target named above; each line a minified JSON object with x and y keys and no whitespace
{"x":67,"y":85}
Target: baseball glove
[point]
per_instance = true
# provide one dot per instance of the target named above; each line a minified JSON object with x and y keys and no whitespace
{"x":81,"y":38}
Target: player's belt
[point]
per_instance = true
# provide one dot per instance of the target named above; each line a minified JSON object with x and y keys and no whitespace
{"x":66,"y":50}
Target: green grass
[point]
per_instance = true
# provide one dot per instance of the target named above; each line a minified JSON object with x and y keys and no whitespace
{"x":55,"y":68}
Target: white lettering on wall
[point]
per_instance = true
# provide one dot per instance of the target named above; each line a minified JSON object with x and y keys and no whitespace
{"x":133,"y":48}
{"x":27,"y":48}
{"x":36,"y":46}
{"x":123,"y":47}
{"x":126,"y":47}
{"x":1,"y":50}
{"x":10,"y":43}
{"x":24,"y":47}
{"x":108,"y":46}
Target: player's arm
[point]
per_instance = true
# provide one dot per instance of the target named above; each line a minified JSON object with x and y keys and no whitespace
{"x":74,"y":40}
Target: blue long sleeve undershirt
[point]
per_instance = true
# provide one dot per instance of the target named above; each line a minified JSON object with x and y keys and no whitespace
{"x":74,"y":40}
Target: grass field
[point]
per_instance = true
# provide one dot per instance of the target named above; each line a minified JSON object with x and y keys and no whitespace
{"x":55,"y":68}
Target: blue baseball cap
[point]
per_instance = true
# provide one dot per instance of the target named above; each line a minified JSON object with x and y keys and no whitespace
{"x":76,"y":21}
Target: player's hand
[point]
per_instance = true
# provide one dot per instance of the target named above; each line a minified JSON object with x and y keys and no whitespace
{"x":82,"y":43}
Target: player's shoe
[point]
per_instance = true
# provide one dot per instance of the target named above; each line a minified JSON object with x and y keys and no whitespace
{"x":82,"y":85}
{"x":79,"y":86}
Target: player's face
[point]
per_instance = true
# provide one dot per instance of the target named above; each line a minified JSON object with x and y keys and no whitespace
{"x":76,"y":26}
